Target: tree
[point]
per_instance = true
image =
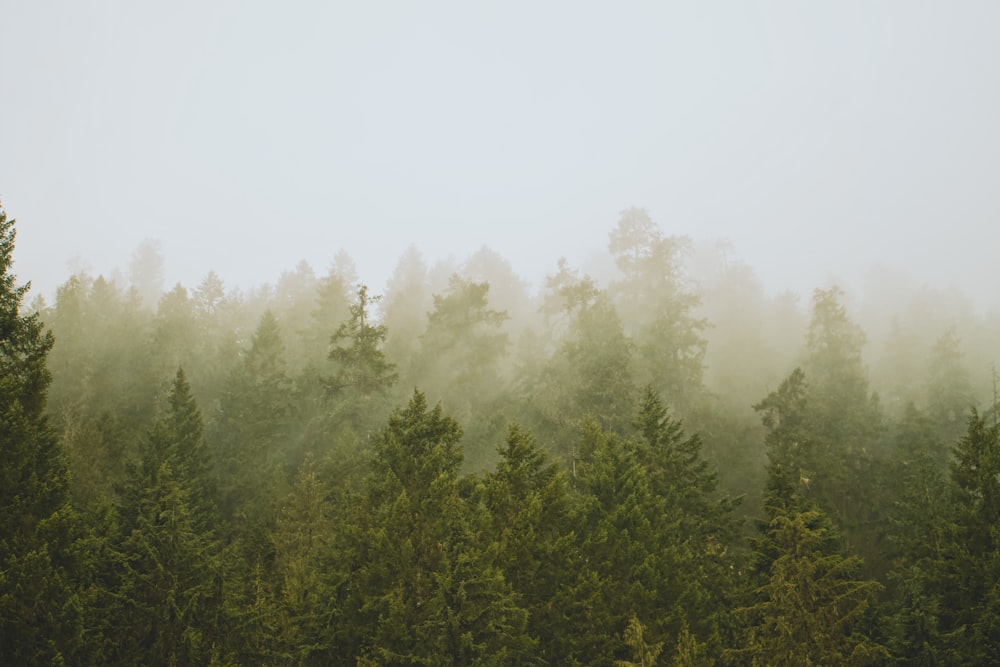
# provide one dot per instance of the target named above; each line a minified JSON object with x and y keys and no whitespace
{"x":431,"y":597}
{"x":146,"y":272}
{"x":643,"y":654}
{"x":591,"y":372}
{"x":168,"y":598}
{"x":972,"y":573}
{"x":168,"y":594}
{"x":330,"y":303}
{"x":40,"y":618}
{"x":408,"y":299}
{"x":791,"y":459}
{"x":463,"y":345}
{"x":251,"y":433}
{"x":694,"y":527}
{"x":656,"y":307}
{"x":841,"y":429}
{"x":948,"y":390}
{"x":362,"y":373}
{"x":844,"y":412}
{"x":303,"y":563}
{"x":530,"y":531}
{"x":361,"y":365}
{"x":813,"y":607}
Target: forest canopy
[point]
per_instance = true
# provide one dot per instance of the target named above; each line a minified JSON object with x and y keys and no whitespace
{"x":658,"y":465}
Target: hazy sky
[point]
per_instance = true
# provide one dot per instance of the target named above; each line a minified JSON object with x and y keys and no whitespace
{"x":819,"y":137}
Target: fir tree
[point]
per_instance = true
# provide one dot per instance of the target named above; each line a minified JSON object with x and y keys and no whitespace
{"x":40,"y":618}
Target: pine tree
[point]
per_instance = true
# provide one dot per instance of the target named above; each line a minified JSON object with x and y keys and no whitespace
{"x":304,"y":567}
{"x":948,"y":389}
{"x":40,"y":618}
{"x":462,"y":347}
{"x":250,"y":435}
{"x":362,"y":371}
{"x":656,"y":307}
{"x":694,"y":527}
{"x":530,"y":530}
{"x":813,"y":606}
{"x":169,"y":577}
{"x":970,"y":575}
{"x":643,"y":654}
{"x":430,"y":596}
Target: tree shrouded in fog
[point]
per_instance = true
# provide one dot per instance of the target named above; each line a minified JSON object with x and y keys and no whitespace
{"x":258,"y":485}
{"x":356,"y":349}
{"x":39,"y":618}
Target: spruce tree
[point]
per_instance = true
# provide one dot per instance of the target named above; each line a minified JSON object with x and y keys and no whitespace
{"x":168,"y":592}
{"x":40,"y":618}
{"x":430,"y":595}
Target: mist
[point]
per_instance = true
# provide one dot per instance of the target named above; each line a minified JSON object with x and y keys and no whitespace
{"x":512,"y":335}
{"x":822,"y":141}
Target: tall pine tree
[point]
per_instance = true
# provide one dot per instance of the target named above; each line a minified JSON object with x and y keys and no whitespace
{"x":40,"y":621}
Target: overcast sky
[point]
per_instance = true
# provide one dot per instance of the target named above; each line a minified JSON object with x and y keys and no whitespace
{"x":821,"y":138}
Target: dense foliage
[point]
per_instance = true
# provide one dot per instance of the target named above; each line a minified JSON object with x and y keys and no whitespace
{"x":464,"y":473}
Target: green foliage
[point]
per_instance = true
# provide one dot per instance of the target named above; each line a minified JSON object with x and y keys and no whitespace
{"x":40,"y":618}
{"x":657,"y":307}
{"x":295,"y":526}
{"x":462,"y":345}
{"x":590,"y":374}
{"x":948,"y":389}
{"x":643,"y":655}
{"x":255,"y":419}
{"x":361,"y":365}
{"x":432,"y":596}
{"x":812,"y":609}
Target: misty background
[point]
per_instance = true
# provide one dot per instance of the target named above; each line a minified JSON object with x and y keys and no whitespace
{"x":822,"y":140}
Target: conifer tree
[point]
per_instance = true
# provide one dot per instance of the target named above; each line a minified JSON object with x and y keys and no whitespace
{"x":431,"y":597}
{"x":362,"y":372}
{"x":462,"y":347}
{"x":530,"y":531}
{"x":969,"y":578}
{"x":948,"y":389}
{"x":169,"y":576}
{"x":40,"y":618}
{"x":813,"y":606}
{"x":303,"y":542}
{"x":252,"y":429}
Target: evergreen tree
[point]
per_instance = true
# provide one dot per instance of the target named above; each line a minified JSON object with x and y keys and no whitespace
{"x":643,"y":654}
{"x":305,"y":569}
{"x":656,"y":307}
{"x":530,"y":531}
{"x":948,"y":390}
{"x":618,"y":542}
{"x":591,"y":372}
{"x":694,"y":527}
{"x":462,"y":347}
{"x":361,"y":365}
{"x":970,"y":575}
{"x":168,"y":594}
{"x":252,"y":429}
{"x":813,"y":607}
{"x":40,"y":617}
{"x":429,"y":595}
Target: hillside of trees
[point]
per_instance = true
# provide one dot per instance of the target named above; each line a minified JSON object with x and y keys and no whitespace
{"x":660,"y":466}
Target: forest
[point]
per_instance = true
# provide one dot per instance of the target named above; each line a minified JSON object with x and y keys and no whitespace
{"x":659,"y":465}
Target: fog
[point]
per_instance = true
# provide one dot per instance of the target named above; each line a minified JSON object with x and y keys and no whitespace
{"x":526,"y":334}
{"x":822,"y":140}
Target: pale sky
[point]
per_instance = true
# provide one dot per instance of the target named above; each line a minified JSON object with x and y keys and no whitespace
{"x":821,"y":138}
